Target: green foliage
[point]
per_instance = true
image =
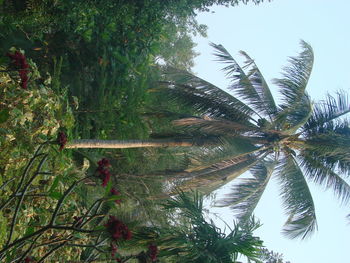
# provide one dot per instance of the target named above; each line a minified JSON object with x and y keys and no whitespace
{"x":271,"y":256}
{"x":189,"y":237}
{"x":30,"y":117}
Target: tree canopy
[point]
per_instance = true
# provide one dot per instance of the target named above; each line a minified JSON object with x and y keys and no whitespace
{"x":296,"y":140}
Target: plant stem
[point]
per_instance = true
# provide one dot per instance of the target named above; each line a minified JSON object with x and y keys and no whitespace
{"x":22,"y":198}
{"x":60,"y":202}
{"x":20,"y":240}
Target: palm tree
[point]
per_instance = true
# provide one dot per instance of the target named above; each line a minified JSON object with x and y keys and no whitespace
{"x":189,"y":237}
{"x":294,"y":141}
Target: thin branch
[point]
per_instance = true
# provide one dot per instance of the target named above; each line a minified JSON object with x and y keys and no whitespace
{"x":53,"y":242}
{"x":7,"y":182}
{"x":90,"y":209}
{"x":51,"y":251}
{"x":86,"y":246}
{"x":30,"y":247}
{"x":24,"y":175}
{"x":20,"y":240}
{"x":60,"y":202}
{"x":14,"y":219}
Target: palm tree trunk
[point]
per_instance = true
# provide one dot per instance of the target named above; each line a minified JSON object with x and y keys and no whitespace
{"x":120,"y":144}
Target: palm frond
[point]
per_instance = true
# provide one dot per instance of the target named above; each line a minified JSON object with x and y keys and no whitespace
{"x":202,"y":241}
{"x":215,"y":126}
{"x":241,"y":236}
{"x":190,"y":204}
{"x":260,"y":85}
{"x":245,"y":86}
{"x":291,"y":119}
{"x":297,"y":199}
{"x":206,"y":98}
{"x":316,"y":171}
{"x":229,"y":149}
{"x":211,"y":178}
{"x":331,"y":146}
{"x":245,"y":195}
{"x":295,"y":77}
{"x":326,"y":112}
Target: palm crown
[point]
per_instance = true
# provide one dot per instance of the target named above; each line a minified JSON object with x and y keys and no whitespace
{"x":296,"y":140}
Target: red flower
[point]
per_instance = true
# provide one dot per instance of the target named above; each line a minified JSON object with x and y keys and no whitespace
{"x":103,"y":171}
{"x":104,"y":163}
{"x":153,"y":252}
{"x":106,"y":178}
{"x":114,"y":249}
{"x":117,"y":229}
{"x":19,"y":61}
{"x":61,"y":140}
{"x":28,"y":259}
{"x":116,"y":192}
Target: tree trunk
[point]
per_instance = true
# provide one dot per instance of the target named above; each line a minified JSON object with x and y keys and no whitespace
{"x":120,"y":144}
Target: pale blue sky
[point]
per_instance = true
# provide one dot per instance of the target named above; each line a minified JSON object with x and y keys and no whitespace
{"x":270,"y":33}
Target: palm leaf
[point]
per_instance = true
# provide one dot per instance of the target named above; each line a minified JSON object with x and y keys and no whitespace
{"x":215,"y":126}
{"x":316,"y":171}
{"x":291,"y":119}
{"x":297,"y":199}
{"x":191,"y":205}
{"x":295,"y":77}
{"x":245,"y":195}
{"x":221,"y":155}
{"x":206,"y":98}
{"x":242,"y":83}
{"x":326,"y":112}
{"x":213,"y":177}
{"x":331,"y":146}
{"x":203,"y":241}
{"x":258,"y":82}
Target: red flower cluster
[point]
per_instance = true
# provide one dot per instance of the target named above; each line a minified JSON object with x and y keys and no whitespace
{"x":20,"y":62}
{"x":61,"y":140}
{"x":153,"y":252}
{"x":116,"y":192}
{"x":28,"y":259}
{"x":117,"y":229}
{"x":113,"y":250}
{"x":103,"y":171}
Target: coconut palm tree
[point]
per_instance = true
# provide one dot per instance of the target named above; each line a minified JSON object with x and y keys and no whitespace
{"x":294,"y":141}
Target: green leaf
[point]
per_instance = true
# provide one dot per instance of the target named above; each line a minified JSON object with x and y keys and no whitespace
{"x":78,"y":235}
{"x":29,"y":231}
{"x":297,"y":200}
{"x":4,"y":115}
{"x":108,"y":188}
{"x":100,"y":228}
{"x":55,"y":195}
{"x":245,"y":195}
{"x":55,"y":184}
{"x":114,"y":198}
{"x":295,"y":77}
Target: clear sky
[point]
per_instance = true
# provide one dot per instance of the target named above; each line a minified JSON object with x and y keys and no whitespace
{"x":270,"y":33}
